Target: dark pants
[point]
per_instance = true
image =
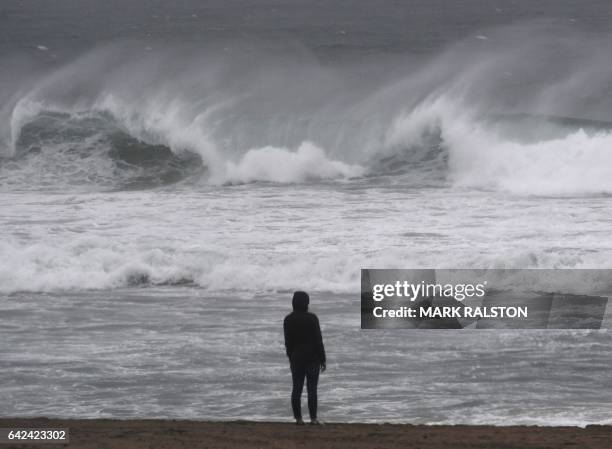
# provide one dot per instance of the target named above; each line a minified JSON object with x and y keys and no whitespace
{"x":299,"y":372}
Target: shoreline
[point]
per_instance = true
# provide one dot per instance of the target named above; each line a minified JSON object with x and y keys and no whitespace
{"x":183,"y":434}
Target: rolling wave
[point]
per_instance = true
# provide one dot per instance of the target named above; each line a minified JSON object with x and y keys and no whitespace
{"x":486,"y":114}
{"x":59,"y":150}
{"x":433,"y":145}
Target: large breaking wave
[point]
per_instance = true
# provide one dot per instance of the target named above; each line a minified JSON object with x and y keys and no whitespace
{"x":59,"y":151}
{"x":526,"y":111}
{"x":488,"y":113}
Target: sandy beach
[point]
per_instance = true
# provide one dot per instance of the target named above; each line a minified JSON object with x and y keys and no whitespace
{"x":137,"y":434}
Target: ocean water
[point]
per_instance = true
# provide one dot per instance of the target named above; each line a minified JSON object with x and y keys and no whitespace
{"x":175,"y":353}
{"x":169,"y":174}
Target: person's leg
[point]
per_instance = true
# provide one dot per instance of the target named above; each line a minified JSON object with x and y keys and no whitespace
{"x":312,"y":380}
{"x":298,"y":372}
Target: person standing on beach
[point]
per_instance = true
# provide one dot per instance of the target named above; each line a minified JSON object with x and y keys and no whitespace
{"x":304,"y":345}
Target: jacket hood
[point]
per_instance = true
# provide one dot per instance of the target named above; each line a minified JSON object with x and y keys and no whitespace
{"x":300,"y":301}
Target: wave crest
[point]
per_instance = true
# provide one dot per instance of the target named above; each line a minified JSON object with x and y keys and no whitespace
{"x":476,"y":116}
{"x":56,"y":150}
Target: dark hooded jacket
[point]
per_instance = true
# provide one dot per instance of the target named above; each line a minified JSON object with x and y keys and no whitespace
{"x":303,"y":340}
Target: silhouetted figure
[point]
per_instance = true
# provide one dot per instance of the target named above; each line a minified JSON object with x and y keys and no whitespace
{"x":304,"y":345}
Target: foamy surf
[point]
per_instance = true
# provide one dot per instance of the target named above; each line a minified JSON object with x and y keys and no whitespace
{"x":440,"y":141}
{"x":451,"y":121}
{"x":307,"y":163}
{"x":169,"y":178}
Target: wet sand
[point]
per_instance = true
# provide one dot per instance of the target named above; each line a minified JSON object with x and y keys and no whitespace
{"x":141,"y":434}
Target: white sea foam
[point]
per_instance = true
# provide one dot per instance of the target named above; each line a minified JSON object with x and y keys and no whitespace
{"x":307,"y":163}
{"x":576,"y":164}
{"x":92,"y":263}
{"x":267,"y":237}
{"x":572,"y":162}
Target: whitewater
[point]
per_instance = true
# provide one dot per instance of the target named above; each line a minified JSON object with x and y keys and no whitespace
{"x":159,"y":202}
{"x":414,"y":171}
